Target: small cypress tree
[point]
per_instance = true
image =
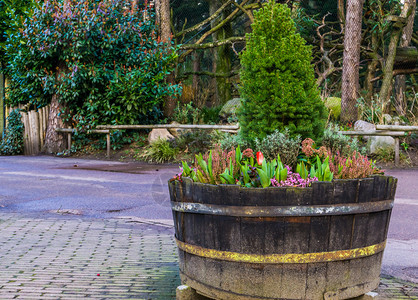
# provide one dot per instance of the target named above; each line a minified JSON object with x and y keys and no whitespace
{"x":278,"y":82}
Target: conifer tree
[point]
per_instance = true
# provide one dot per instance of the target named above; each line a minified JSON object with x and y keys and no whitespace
{"x":278,"y":83}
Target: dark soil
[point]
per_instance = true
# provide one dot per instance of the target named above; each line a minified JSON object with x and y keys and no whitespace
{"x":408,"y":159}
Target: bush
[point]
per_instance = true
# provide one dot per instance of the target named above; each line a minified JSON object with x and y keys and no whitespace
{"x":353,"y":166}
{"x":281,"y":144}
{"x":337,"y":142}
{"x":12,"y":143}
{"x":211,"y":114}
{"x":103,"y":59}
{"x":232,"y":141}
{"x":160,"y":151}
{"x":193,"y":142}
{"x":278,"y":84}
{"x":186,"y":114}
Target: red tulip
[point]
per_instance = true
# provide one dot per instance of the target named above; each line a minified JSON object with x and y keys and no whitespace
{"x":260,"y":158}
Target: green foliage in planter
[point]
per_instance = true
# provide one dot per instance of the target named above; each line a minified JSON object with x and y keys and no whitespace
{"x":321,"y":170}
{"x":242,"y":169}
{"x":103,"y":59}
{"x":232,"y":141}
{"x":12,"y":142}
{"x":279,"y":143}
{"x":278,"y":82}
{"x":353,"y":166}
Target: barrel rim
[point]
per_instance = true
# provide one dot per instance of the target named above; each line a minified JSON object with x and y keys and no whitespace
{"x":282,"y":211}
{"x":371,"y":177}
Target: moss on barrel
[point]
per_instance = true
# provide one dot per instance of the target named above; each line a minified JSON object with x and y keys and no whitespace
{"x":290,"y":243}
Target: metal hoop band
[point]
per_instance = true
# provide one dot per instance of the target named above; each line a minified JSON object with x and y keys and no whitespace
{"x":290,"y":258}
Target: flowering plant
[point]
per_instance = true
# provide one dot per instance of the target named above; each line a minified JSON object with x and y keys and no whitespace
{"x":244,"y":169}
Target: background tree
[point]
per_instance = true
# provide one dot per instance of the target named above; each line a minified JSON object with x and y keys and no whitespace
{"x":223,"y":53}
{"x":381,"y":23}
{"x":95,"y":62}
{"x":351,"y":64}
{"x":216,"y":38}
{"x":12,"y":14}
{"x":278,"y":84}
{"x":406,"y":37}
{"x":163,"y":20}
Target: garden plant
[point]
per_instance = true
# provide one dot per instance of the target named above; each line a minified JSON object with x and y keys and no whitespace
{"x":97,"y":62}
{"x":278,"y":82}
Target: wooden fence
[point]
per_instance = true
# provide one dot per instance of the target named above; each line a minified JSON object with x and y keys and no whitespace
{"x":35,"y":123}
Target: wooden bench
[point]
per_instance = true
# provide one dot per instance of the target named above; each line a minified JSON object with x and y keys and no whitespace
{"x":395,"y":131}
{"x":70,"y":131}
{"x":106,"y":129}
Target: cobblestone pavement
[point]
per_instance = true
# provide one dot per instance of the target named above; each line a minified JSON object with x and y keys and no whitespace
{"x":66,"y":257}
{"x":70,"y":258}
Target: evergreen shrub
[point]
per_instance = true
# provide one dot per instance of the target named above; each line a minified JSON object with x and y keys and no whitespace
{"x":278,"y":83}
{"x":12,"y":143}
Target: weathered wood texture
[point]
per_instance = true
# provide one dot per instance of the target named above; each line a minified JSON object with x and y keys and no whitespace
{"x":397,"y":128}
{"x":35,"y":123}
{"x":220,"y":278}
{"x":182,"y":126}
{"x":70,"y":131}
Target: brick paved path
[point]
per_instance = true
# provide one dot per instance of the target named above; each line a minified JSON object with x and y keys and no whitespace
{"x":60,"y":258}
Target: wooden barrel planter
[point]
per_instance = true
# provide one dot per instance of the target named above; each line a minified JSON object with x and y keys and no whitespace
{"x":321,"y":242}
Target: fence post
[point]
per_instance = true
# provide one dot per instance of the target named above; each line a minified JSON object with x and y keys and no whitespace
{"x":69,"y":139}
{"x":396,"y":148}
{"x":108,"y":144}
{"x":396,"y":151}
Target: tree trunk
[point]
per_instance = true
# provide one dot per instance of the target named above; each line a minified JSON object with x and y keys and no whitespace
{"x":385,"y":90}
{"x":372,"y":67}
{"x":196,"y":68}
{"x":400,"y":80}
{"x":222,"y":54}
{"x":351,"y":60}
{"x":341,"y":14}
{"x":165,"y":33}
{"x":165,"y":29}
{"x":157,"y":12}
{"x":54,"y":141}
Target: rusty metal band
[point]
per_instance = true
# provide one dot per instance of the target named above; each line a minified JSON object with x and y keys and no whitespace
{"x":289,"y":258}
{"x":282,"y":211}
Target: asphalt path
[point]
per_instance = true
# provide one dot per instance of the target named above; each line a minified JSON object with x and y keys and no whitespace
{"x":87,"y":188}
{"x":43,"y":185}
{"x":400,"y":258}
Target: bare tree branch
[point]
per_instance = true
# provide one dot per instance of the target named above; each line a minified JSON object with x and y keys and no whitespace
{"x":230,"y":40}
{"x":214,"y":29}
{"x":322,"y":76}
{"x":207,"y":73}
{"x":248,"y":13}
{"x":204,"y":22}
{"x":398,"y":72}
